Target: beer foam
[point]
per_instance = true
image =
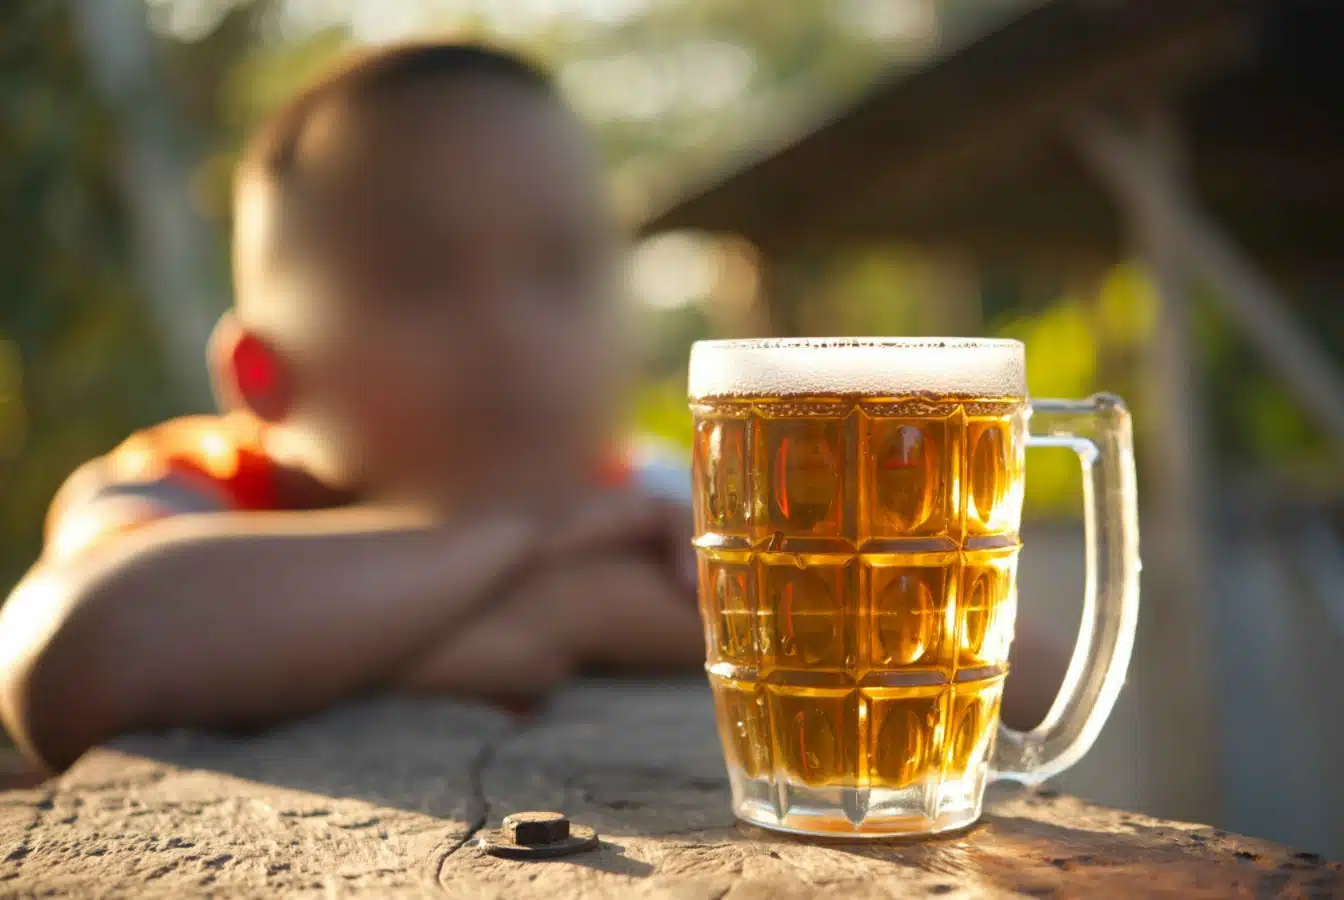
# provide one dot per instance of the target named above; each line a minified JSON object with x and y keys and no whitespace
{"x":874,"y":367}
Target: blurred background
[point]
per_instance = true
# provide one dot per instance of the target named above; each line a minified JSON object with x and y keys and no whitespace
{"x":1150,"y":194}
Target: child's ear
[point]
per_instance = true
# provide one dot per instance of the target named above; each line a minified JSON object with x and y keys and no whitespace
{"x":248,"y":373}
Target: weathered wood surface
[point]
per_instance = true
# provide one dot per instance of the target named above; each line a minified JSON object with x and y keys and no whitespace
{"x":384,"y":798}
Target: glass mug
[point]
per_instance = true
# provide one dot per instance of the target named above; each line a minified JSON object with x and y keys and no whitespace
{"x":857,"y":504}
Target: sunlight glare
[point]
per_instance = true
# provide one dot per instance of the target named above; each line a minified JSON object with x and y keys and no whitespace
{"x":668,"y":271}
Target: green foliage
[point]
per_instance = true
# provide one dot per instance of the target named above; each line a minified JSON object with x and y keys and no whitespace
{"x":1126,"y":307}
{"x":891,"y":291}
{"x":79,"y":366}
{"x":661,"y":411}
{"x":1255,"y":422}
{"x":1061,"y":362}
{"x":13,"y":422}
{"x":260,"y":80}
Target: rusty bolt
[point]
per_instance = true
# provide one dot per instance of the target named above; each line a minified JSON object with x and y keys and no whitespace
{"x":533,"y":828}
{"x":537,"y":835}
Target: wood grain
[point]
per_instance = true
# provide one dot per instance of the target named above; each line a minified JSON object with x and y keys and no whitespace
{"x":367,"y":797}
{"x":383,"y":799}
{"x":640,"y":763}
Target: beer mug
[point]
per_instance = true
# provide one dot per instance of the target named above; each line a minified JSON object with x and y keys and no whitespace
{"x":857,"y":505}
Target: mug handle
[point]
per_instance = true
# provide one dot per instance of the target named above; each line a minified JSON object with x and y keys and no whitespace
{"x":1098,"y":430}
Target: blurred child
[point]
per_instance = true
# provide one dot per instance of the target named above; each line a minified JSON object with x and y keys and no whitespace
{"x":412,"y":482}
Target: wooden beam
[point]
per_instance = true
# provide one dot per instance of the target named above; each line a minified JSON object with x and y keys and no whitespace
{"x":1174,"y":666}
{"x":1123,"y":162}
{"x":920,"y":139}
{"x":970,"y":153}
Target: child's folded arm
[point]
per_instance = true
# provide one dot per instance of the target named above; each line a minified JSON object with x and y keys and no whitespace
{"x":234,"y":618}
{"x":615,"y":610}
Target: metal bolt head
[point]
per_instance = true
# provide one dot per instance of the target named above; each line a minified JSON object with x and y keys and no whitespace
{"x":538,"y":835}
{"x":533,"y":828}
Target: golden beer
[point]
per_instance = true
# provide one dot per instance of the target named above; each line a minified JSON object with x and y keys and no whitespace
{"x":856,"y":524}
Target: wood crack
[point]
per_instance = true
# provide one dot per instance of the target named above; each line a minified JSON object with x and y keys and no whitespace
{"x":476,"y":778}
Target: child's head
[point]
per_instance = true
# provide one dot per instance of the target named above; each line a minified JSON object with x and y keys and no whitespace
{"x":423,"y":261}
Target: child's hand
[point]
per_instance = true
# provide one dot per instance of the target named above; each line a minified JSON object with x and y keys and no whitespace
{"x":616,"y":610}
{"x":612,"y":584}
{"x":624,"y":521}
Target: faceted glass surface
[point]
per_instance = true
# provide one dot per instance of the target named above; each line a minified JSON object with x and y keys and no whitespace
{"x":858,"y":564}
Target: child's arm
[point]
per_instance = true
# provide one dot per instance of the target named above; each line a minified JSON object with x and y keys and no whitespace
{"x":620,"y":610}
{"x":235,"y":618}
{"x":153,"y":607}
{"x":628,"y":601}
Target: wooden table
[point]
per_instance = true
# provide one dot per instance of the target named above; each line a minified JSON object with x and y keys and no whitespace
{"x":385,"y":798}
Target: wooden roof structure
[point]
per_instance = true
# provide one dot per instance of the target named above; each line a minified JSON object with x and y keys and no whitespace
{"x":971,"y":150}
